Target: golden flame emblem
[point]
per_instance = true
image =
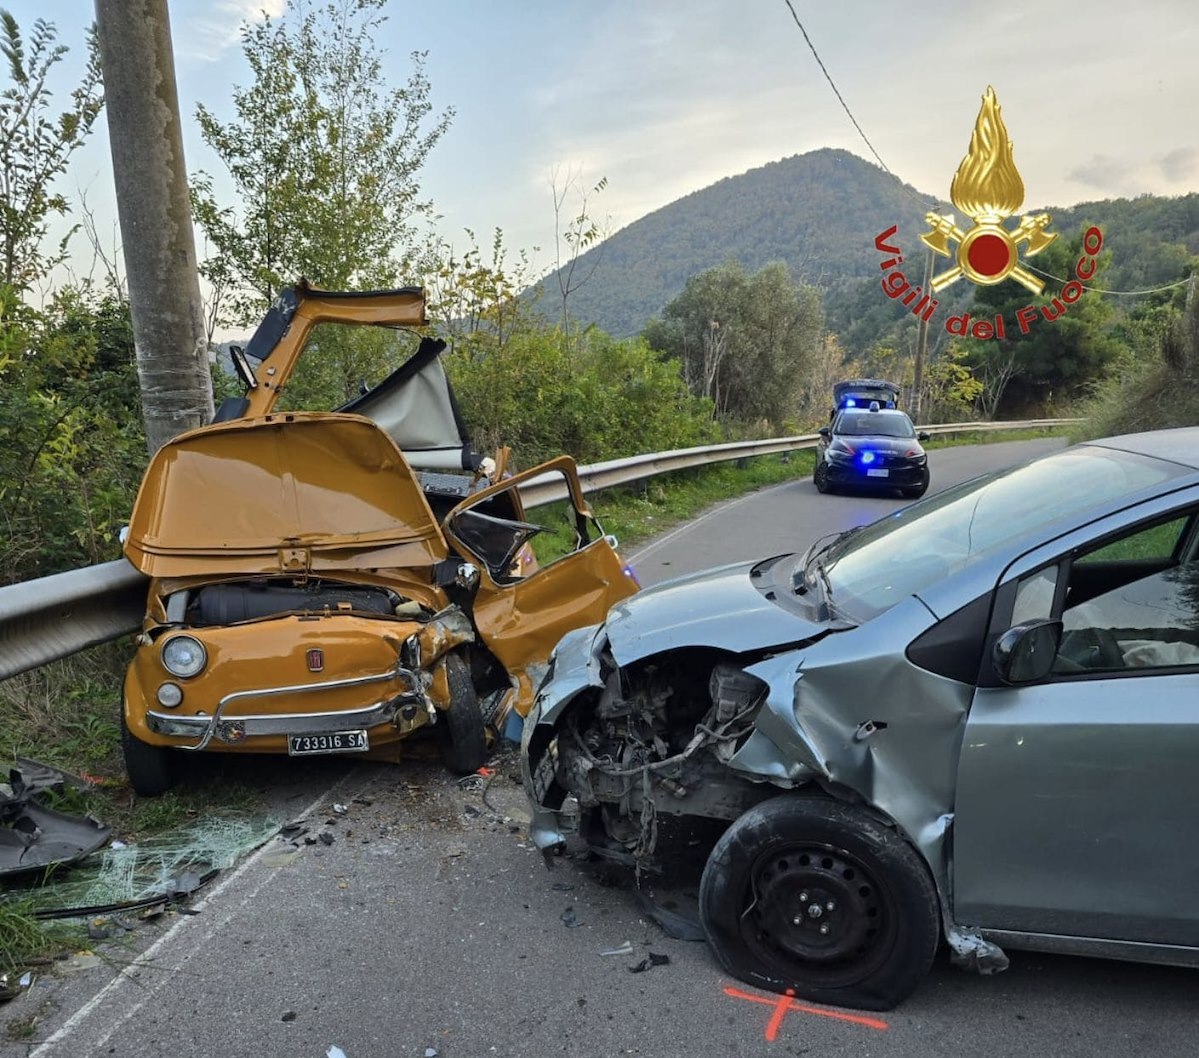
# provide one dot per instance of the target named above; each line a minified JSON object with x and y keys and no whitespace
{"x":987,"y":188}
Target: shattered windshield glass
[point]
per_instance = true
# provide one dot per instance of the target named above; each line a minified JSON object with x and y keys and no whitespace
{"x":900,"y":555}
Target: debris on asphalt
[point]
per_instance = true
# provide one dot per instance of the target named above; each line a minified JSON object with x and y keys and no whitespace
{"x":335,"y":1052}
{"x":674,"y":924}
{"x":12,"y":985}
{"x":430,"y":1052}
{"x":34,"y":836}
{"x":651,"y":960}
{"x":288,"y":1015}
{"x":280,"y":857}
{"x":625,"y":949}
{"x":161,"y":871}
{"x":294,"y":830}
{"x":340,"y":809}
{"x":562,"y":887}
{"x":82,"y":960}
{"x":569,"y":919}
{"x":326,"y":838}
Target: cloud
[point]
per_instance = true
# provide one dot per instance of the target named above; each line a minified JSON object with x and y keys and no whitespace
{"x":206,"y":38}
{"x":1180,"y":164}
{"x":1102,"y":172}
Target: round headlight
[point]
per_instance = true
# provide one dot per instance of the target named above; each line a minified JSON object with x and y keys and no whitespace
{"x":183,"y":656}
{"x":170,"y":695}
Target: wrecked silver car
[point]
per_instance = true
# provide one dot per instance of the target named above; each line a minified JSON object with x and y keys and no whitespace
{"x":973,"y":719}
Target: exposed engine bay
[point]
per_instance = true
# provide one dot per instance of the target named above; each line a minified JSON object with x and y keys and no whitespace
{"x":657,"y":739}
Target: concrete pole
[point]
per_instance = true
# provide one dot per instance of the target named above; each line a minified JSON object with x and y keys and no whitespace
{"x":156,"y":226}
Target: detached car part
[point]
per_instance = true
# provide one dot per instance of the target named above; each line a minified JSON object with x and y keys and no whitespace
{"x":34,"y":836}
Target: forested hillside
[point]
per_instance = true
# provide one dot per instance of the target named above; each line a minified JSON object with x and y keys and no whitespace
{"x":819,"y":213}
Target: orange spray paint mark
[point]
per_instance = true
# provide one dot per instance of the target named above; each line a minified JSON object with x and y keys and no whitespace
{"x":786,"y":1003}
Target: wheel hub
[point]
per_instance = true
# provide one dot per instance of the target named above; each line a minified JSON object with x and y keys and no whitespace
{"x":816,"y":904}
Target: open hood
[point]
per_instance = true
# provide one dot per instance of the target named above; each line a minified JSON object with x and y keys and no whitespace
{"x":297,"y":492}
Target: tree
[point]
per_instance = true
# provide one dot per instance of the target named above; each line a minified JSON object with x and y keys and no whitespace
{"x":594,"y":397}
{"x":35,"y":148}
{"x":477,"y":302}
{"x":744,"y":342}
{"x":577,"y":233}
{"x":324,"y":159}
{"x":1059,"y":357}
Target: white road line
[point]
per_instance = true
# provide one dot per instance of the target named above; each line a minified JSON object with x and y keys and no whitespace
{"x":207,"y":925}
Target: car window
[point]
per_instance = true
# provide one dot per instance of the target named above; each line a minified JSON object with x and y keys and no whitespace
{"x":909,"y":550}
{"x":1133,"y":603}
{"x":872,"y":424}
{"x":1034,"y":596}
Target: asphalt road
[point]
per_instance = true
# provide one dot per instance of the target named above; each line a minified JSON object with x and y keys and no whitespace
{"x":430,"y":924}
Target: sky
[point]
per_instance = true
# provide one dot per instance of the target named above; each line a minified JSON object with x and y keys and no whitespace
{"x":665,"y":97}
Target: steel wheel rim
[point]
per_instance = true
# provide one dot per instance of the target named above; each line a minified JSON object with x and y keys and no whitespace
{"x":788,"y":924}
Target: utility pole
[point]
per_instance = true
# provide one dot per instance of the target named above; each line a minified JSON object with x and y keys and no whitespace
{"x":921,"y":347}
{"x":144,"y":130}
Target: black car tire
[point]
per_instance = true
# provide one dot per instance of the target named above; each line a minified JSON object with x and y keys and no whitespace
{"x":821,"y":863}
{"x":820,"y":477}
{"x":151,"y":769}
{"x":460,"y":729}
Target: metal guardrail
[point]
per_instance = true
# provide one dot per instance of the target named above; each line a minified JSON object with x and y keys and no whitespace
{"x":596,"y":476}
{"x":53,"y":617}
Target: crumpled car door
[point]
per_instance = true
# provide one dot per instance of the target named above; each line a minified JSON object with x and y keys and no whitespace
{"x":523,"y":608}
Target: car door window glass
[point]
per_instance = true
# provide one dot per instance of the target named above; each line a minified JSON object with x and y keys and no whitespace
{"x":1034,"y":596}
{"x":1133,"y":603}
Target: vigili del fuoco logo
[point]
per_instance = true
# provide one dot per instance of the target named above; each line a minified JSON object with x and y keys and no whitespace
{"x":986,"y":188}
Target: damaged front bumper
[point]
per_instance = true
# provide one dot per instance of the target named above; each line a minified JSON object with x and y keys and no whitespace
{"x":408,"y":709}
{"x":574,"y":667}
{"x":596,"y":740}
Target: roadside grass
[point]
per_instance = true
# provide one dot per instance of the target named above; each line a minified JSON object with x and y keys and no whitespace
{"x":23,"y":939}
{"x":66,"y":713}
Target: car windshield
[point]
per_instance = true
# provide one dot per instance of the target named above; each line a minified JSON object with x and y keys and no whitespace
{"x":873,"y":424}
{"x":900,"y":555}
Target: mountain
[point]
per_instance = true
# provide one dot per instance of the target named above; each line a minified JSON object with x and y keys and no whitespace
{"x":820,"y":213}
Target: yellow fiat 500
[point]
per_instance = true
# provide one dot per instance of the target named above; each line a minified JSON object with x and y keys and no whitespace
{"x":335,"y":582}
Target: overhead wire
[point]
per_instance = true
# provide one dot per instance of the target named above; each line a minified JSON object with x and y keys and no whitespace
{"x":904,"y":187}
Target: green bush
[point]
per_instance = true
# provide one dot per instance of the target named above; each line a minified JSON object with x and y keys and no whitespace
{"x":596,"y":398}
{"x":72,"y":448}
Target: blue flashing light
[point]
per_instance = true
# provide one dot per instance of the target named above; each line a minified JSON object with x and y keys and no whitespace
{"x":850,"y":402}
{"x":867,"y":457}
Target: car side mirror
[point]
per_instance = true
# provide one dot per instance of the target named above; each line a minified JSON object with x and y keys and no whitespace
{"x":923,"y":435}
{"x":825,"y":432}
{"x":1025,"y":652}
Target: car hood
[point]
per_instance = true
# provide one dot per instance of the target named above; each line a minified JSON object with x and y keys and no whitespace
{"x":897,"y":446}
{"x":298,"y":492}
{"x":721,"y":608}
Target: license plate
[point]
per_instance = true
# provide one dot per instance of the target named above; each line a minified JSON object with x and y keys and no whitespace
{"x":328,"y":742}
{"x":877,"y":473}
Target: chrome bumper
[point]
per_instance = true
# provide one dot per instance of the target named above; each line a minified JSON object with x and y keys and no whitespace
{"x":241,"y":727}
